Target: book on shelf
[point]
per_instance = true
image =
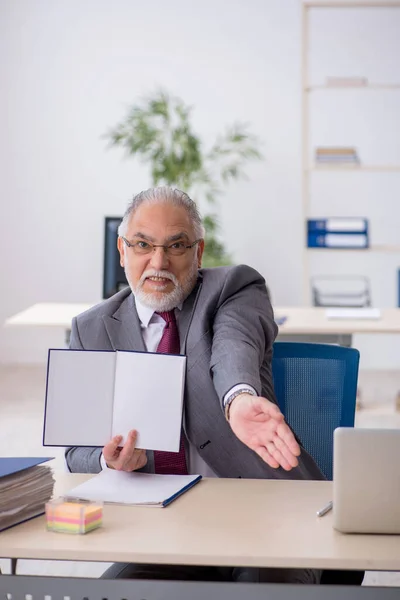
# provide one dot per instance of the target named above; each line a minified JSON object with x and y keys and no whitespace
{"x":337,"y":240}
{"x":338,"y":225}
{"x":346,"y":81}
{"x":336,"y":155}
{"x":341,"y":150}
{"x":340,"y":291}
{"x":337,"y":232}
{"x":25,"y":487}
{"x":336,"y":158}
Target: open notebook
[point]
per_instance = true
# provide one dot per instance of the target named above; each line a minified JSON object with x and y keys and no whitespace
{"x":141,"y":489}
{"x":92,"y":396}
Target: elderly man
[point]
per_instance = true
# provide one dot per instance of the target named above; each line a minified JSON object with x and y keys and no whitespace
{"x":222,"y":320}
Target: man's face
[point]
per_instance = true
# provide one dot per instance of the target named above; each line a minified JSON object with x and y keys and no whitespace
{"x":160,"y":280}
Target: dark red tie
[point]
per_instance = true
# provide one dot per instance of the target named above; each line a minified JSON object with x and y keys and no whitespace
{"x":170,"y":463}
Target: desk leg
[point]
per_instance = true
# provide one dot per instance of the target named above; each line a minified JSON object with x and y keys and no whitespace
{"x":14,"y":566}
{"x":345,"y":339}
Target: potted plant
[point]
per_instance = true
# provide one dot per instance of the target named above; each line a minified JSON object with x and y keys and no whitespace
{"x":158,"y":132}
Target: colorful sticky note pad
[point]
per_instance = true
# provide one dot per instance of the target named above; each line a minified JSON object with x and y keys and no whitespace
{"x":73,"y":517}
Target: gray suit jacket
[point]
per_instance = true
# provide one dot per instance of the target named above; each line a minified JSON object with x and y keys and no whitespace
{"x":226,"y":329}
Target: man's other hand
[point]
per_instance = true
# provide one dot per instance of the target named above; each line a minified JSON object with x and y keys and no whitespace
{"x":260,"y":425}
{"x":127,"y":457}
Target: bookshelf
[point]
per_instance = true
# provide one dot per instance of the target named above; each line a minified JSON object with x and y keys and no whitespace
{"x":311,"y":89}
{"x":368,"y":87}
{"x":372,"y":248}
{"x":355,"y":168}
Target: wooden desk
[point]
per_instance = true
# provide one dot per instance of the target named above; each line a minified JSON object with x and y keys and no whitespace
{"x":313,"y":321}
{"x":302,"y":324}
{"x":310,"y":324}
{"x":256,"y":523}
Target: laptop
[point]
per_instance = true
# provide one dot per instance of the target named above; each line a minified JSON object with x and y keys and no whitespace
{"x":366,"y":480}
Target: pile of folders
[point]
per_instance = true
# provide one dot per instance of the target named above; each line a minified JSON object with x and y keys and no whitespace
{"x":338,"y":232}
{"x":336,"y":156}
{"x":25,"y":487}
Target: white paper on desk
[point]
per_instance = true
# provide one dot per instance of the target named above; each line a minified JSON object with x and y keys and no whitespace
{"x":93,"y":395}
{"x":143,"y":489}
{"x":353,"y":313}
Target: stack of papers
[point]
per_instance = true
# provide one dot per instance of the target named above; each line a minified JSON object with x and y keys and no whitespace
{"x":140,"y":489}
{"x":353,"y":313}
{"x":25,"y":487}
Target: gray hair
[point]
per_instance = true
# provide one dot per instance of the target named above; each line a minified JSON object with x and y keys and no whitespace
{"x":159,"y":195}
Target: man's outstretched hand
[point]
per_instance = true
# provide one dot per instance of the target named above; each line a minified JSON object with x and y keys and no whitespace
{"x":260,"y":425}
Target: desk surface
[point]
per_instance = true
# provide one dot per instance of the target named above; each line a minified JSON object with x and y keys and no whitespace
{"x":218,"y":522}
{"x":307,"y":320}
{"x":313,"y":320}
{"x":44,"y":314}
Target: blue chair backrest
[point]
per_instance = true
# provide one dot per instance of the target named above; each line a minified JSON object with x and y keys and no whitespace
{"x":316,"y":389}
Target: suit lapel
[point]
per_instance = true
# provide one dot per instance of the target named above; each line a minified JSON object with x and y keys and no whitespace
{"x":185,"y":316}
{"x":123,"y":327}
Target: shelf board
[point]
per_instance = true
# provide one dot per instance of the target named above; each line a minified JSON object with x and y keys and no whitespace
{"x":351,"y":4}
{"x":373,"y":248}
{"x":352,"y":168}
{"x":369,"y":87}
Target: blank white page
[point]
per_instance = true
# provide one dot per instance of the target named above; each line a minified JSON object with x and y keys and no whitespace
{"x":148,"y":397}
{"x":80,"y":385}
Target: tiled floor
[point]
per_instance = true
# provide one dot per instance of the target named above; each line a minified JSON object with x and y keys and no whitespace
{"x":21,"y":410}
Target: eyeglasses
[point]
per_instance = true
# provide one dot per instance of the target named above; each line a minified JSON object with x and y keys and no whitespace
{"x":175,"y":249}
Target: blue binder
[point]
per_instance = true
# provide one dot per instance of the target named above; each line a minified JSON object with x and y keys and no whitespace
{"x":351,"y":241}
{"x":11,"y":465}
{"x":338,"y":232}
{"x":350,"y":225}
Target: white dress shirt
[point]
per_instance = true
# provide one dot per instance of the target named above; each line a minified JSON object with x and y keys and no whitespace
{"x":152,"y":326}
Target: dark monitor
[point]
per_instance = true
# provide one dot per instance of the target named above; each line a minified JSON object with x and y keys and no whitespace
{"x":114,"y":278}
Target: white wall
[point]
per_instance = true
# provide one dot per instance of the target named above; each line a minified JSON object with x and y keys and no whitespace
{"x":68,"y":71}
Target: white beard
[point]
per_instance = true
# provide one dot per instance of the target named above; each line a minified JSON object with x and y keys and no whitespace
{"x":163,"y":302}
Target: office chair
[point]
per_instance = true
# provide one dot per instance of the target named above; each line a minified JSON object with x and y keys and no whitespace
{"x":316,"y":389}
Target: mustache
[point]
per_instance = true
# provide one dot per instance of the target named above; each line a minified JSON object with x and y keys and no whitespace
{"x":154,"y":273}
